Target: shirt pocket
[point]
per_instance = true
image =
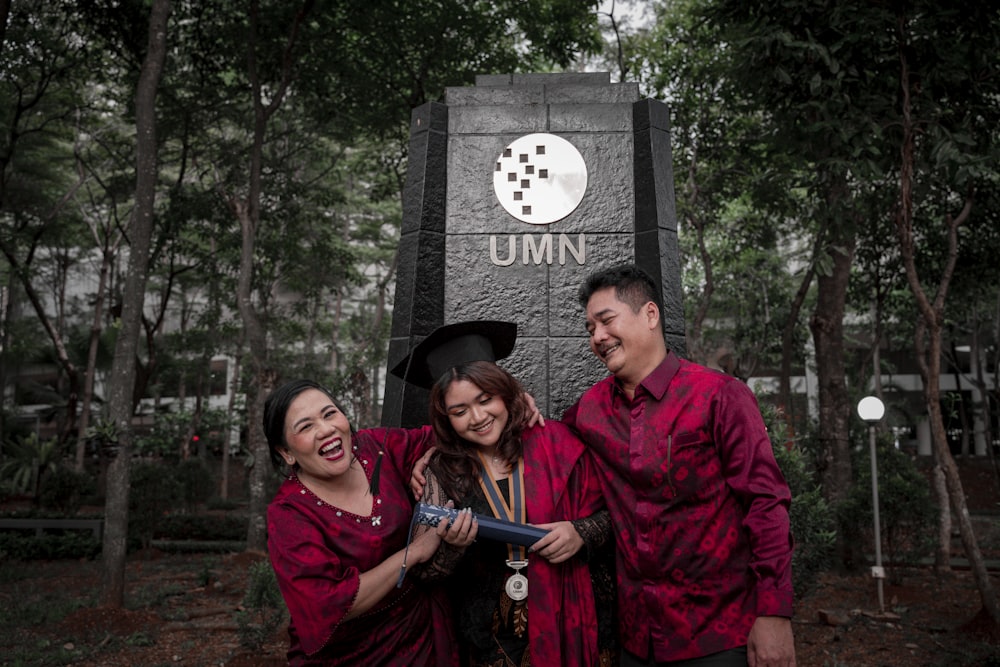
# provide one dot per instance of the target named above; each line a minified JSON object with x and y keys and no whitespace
{"x":689,"y":457}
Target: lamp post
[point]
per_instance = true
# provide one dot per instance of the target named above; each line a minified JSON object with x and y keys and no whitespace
{"x":871,"y":410}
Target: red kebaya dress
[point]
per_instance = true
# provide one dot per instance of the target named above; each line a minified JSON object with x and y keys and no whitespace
{"x":319,"y":551}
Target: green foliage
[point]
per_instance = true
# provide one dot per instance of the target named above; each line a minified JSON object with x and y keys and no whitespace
{"x":196,"y":482}
{"x":154,"y":491}
{"x":28,"y":605}
{"x":812,"y":520}
{"x":907,"y":512}
{"x":217,"y":503}
{"x":171,"y":429}
{"x":64,"y":489}
{"x":74,"y":544}
{"x":263,"y":607}
{"x":201,"y":527}
{"x":205,"y":573}
{"x":27,"y":460}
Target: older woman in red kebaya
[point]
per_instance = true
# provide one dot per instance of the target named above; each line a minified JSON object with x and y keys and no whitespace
{"x":337,"y":529}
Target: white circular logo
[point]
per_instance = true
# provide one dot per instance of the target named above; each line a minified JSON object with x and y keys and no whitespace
{"x":540,"y":178}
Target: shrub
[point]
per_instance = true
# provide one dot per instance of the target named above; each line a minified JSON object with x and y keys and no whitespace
{"x":263,"y":607}
{"x":202,"y":527}
{"x":812,"y":520}
{"x":64,"y":490}
{"x":907,"y":512}
{"x":195,"y":481}
{"x":72,"y":544}
{"x":218,"y":503}
{"x":27,"y":460}
{"x":153,"y":492}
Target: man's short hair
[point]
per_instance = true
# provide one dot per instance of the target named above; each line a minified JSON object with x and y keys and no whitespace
{"x":632,"y":286}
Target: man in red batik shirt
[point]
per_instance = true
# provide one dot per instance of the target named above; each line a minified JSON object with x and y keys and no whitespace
{"x":698,"y":503}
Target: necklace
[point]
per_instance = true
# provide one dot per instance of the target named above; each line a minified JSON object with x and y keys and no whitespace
{"x":374,"y":517}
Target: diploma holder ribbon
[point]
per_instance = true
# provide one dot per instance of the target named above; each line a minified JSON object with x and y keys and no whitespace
{"x":514,"y":511}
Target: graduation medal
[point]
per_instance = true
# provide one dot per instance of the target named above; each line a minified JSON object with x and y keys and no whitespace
{"x":513,"y":510}
{"x":517,"y":583}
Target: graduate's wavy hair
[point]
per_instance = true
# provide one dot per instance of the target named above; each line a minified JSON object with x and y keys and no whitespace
{"x":456,"y":463}
{"x":276,"y":409}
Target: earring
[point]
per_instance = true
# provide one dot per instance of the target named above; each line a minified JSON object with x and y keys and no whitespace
{"x":289,"y":459}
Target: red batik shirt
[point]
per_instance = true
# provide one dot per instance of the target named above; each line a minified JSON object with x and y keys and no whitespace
{"x":319,"y":552}
{"x":698,"y":504}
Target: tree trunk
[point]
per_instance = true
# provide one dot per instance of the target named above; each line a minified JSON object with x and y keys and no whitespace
{"x":787,"y":348}
{"x":96,"y":328}
{"x":932,"y":316}
{"x":827,"y":325}
{"x":230,"y":411}
{"x":942,"y":554}
{"x":121,"y":385}
{"x":248,"y":213}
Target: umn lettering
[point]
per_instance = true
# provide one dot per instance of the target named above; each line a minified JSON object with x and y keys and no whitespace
{"x":538,"y":250}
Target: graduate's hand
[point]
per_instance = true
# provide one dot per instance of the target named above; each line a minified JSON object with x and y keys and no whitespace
{"x":560,"y":544}
{"x":462,"y":531}
{"x":534,"y":414}
{"x":417,"y":478}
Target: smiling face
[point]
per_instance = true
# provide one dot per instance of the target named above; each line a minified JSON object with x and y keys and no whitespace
{"x":476,"y":416}
{"x":317,"y":436}
{"x":629,"y":343}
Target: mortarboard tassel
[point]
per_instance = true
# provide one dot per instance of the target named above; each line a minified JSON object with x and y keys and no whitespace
{"x":375,"y":474}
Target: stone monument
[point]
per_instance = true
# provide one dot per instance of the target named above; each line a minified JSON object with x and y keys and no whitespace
{"x":517,"y":188}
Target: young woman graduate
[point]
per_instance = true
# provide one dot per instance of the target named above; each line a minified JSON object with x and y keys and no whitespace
{"x":486,"y":461}
{"x":337,"y":529}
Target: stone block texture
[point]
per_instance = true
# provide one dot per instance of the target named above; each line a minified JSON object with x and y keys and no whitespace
{"x":463,"y":256}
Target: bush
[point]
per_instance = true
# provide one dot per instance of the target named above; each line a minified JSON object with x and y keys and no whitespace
{"x":26,"y":461}
{"x":263,"y":607}
{"x":196,"y":482}
{"x":153,"y":492}
{"x":812,"y":520}
{"x":201,"y":527}
{"x":64,"y":489}
{"x":74,"y":544}
{"x":907,"y":513}
{"x":218,"y":503}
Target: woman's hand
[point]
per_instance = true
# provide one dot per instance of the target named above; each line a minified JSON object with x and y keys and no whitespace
{"x":462,"y":531}
{"x":534,"y":414}
{"x":560,"y":544}
{"x":417,"y":478}
{"x":423,"y":546}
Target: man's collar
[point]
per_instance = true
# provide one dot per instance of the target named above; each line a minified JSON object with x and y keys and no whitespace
{"x":656,"y":383}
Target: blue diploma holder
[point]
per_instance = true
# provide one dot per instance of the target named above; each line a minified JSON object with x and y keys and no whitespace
{"x":489,"y":527}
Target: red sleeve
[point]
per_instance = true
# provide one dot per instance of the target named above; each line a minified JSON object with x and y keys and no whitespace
{"x":754,"y":476}
{"x":317,"y":588}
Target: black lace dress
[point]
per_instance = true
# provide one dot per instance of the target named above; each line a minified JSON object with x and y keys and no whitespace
{"x":491,"y":627}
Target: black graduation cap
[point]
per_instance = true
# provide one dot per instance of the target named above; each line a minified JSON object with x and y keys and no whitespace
{"x":454,"y":344}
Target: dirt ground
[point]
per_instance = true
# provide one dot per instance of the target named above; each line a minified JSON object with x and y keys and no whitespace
{"x":931,"y":621}
{"x":181,"y":610}
{"x":172,"y":619}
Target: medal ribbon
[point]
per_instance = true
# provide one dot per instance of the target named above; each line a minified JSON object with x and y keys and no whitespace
{"x":515,"y":510}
